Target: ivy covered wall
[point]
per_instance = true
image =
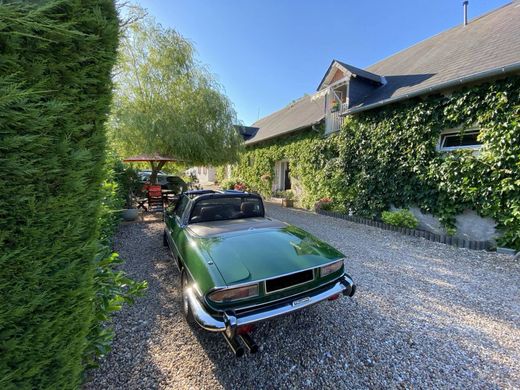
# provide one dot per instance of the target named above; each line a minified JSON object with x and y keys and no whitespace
{"x":388,"y":157}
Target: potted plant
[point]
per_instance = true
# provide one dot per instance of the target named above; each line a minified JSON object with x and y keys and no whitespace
{"x":335,"y":106}
{"x":288,"y":198}
{"x":128,"y":186}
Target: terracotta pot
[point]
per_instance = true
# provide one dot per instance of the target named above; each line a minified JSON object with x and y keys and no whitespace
{"x":287,"y":202}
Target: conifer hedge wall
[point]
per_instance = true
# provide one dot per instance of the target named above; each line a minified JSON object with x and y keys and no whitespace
{"x":55,"y":90}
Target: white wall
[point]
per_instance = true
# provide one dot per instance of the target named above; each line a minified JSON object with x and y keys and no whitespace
{"x":205,"y":175}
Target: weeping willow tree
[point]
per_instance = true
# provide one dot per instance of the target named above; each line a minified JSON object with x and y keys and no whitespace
{"x":167,"y":103}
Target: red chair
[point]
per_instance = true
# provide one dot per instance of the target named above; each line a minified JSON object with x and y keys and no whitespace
{"x":155,"y":199}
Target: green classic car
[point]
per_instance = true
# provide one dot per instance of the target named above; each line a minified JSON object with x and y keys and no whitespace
{"x":239,"y":267}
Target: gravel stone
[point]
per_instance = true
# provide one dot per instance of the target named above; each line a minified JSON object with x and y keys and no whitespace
{"x":425,"y":315}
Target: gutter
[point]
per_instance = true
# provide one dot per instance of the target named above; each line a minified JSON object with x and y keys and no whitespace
{"x":439,"y":87}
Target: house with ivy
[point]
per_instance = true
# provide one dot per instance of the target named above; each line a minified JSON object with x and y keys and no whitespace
{"x":433,"y":128}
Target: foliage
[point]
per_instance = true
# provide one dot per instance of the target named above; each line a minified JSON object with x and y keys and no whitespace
{"x":56,"y":58}
{"x":234,"y":184}
{"x":287,"y":194}
{"x":256,"y":165}
{"x":387,"y":157}
{"x":229,"y":184}
{"x":113,"y":287}
{"x":402,"y":218}
{"x":128,"y":183}
{"x":167,"y":103}
{"x":220,"y":173}
{"x":241,"y":187}
{"x":323,"y":204}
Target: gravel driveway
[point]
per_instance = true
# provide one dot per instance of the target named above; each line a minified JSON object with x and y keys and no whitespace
{"x":425,"y":315}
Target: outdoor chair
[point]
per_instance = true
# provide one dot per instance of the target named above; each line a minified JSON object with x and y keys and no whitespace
{"x":155,"y":199}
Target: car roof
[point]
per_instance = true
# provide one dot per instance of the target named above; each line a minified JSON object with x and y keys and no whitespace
{"x":149,"y":171}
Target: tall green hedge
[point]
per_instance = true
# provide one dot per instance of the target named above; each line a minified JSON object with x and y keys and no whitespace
{"x":388,"y":156}
{"x":55,"y":89}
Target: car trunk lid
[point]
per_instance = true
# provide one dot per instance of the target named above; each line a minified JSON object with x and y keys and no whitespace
{"x":258,"y":254}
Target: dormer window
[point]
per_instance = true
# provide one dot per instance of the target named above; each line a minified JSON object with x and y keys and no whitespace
{"x":338,"y":96}
{"x":344,"y":85}
{"x":455,"y":139}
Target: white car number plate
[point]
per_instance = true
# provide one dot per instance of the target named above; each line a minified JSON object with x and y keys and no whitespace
{"x":299,"y":302}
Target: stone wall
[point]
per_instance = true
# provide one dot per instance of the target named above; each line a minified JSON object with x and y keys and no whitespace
{"x":470,"y":225}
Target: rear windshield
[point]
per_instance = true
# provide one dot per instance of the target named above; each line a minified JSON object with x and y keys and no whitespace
{"x":224,"y":208}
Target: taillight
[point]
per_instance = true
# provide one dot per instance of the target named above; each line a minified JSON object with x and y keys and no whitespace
{"x":331,"y":268}
{"x":234,"y":294}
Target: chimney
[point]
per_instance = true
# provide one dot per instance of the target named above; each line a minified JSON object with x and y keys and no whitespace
{"x":465,"y":6}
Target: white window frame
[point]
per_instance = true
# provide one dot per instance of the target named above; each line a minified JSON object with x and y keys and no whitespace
{"x":457,"y":132}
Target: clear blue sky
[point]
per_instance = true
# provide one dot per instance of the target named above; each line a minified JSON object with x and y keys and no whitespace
{"x":266,"y":53}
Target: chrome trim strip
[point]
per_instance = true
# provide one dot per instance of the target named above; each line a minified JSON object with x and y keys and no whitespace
{"x":207,"y":321}
{"x":203,"y":318}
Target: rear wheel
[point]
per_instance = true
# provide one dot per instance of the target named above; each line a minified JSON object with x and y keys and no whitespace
{"x":164,"y":239}
{"x":186,"y":309}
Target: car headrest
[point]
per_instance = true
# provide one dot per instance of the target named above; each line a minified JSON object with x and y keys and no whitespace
{"x":248,"y":208}
{"x":209,"y":213}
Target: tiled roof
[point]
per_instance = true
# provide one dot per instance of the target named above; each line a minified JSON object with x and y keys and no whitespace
{"x":302,"y":113}
{"x":487,"y":42}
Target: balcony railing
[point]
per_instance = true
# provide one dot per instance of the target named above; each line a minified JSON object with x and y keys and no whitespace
{"x":334,"y":120}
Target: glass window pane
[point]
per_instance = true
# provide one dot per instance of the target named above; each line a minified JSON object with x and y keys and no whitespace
{"x":179,"y":209}
{"x":457,"y":140}
{"x":225,"y":208}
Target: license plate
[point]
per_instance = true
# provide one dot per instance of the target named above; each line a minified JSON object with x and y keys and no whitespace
{"x":299,"y":302}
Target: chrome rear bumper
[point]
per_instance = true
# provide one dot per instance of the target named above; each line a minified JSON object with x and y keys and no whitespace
{"x":229,"y":321}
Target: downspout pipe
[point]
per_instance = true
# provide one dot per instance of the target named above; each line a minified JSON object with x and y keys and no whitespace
{"x":502,"y":70}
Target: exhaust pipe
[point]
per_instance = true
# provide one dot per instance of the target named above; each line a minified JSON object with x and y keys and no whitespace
{"x":249,"y":342}
{"x":234,"y":345}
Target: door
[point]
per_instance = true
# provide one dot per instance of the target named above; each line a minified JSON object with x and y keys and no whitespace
{"x":282,"y":178}
{"x":287,"y":176}
{"x":175,"y":227}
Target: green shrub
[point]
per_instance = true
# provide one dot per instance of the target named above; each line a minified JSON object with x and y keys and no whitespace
{"x":55,"y":89}
{"x":402,"y":218}
{"x":234,"y":184}
{"x":327,"y":206}
{"x":112,"y":286}
{"x":229,"y":184}
{"x":286,"y":194}
{"x":127,"y":182}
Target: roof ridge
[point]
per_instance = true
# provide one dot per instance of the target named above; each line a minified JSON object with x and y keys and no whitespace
{"x":436,"y":35}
